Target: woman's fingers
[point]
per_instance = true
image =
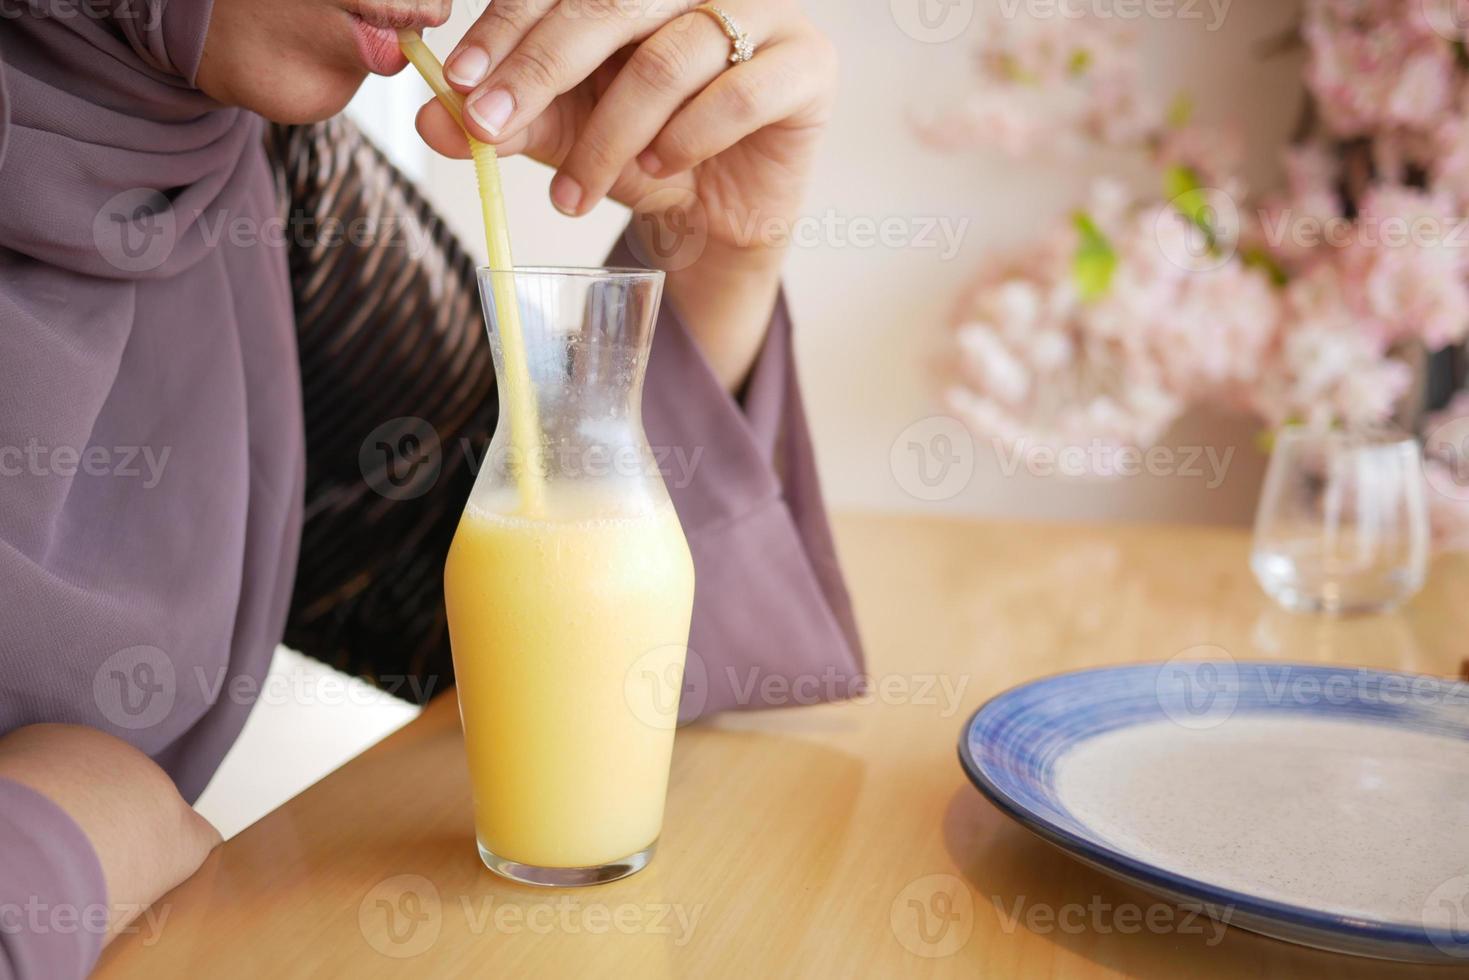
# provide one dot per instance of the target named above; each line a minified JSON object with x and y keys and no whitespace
{"x":560,"y":51}
{"x":663,"y":73}
{"x":658,"y":108}
{"x":547,"y":139}
{"x":779,"y":85}
{"x":493,"y":36}
{"x":440,"y":131}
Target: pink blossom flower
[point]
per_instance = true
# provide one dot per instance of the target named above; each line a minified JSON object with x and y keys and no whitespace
{"x":1107,"y":330}
{"x":1009,"y":124}
{"x":1377,"y":64}
{"x":1215,"y":154}
{"x":1117,"y":112}
{"x":1048,"y":84}
{"x":1294,"y":226}
{"x":1037,"y":357}
{"x":1450,"y":169}
{"x":1324,"y":368}
{"x":1405,"y":270}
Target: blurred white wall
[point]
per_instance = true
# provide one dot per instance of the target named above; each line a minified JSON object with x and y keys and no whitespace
{"x":872,"y":320}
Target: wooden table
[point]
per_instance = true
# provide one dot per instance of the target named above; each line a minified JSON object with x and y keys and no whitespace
{"x":837,"y":841}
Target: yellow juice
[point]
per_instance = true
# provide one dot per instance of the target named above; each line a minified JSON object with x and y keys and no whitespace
{"x":553,"y":620}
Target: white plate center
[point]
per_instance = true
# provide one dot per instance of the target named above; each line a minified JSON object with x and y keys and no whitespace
{"x":1351,"y":818}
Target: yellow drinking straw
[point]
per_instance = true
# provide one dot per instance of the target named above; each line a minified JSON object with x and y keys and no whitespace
{"x":524,"y":427}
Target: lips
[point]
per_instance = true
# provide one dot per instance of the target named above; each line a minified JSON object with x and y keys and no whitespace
{"x":375,"y":26}
{"x":378,"y":47}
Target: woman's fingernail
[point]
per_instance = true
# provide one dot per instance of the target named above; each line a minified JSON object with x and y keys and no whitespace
{"x":652,"y":166}
{"x":468,"y":67}
{"x":492,"y":110}
{"x":566,"y":194}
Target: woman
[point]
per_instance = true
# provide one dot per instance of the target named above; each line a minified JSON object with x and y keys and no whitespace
{"x":148,"y":315}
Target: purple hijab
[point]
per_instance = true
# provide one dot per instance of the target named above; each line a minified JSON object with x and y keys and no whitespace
{"x":151,"y":447}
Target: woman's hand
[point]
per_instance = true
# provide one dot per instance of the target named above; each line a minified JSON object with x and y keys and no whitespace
{"x":639,"y":101}
{"x":146,"y":837}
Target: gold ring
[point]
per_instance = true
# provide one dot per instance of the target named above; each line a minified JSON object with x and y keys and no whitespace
{"x":744,"y":48}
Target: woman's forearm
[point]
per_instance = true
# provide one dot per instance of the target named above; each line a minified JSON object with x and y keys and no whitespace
{"x":146,"y":838}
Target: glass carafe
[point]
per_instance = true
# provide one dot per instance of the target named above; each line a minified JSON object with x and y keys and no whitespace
{"x":569,"y":581}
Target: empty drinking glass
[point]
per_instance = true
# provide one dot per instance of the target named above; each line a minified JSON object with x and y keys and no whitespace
{"x":1342,"y":524}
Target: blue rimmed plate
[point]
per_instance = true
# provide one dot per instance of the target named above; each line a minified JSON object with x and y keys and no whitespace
{"x":1321,"y":805}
